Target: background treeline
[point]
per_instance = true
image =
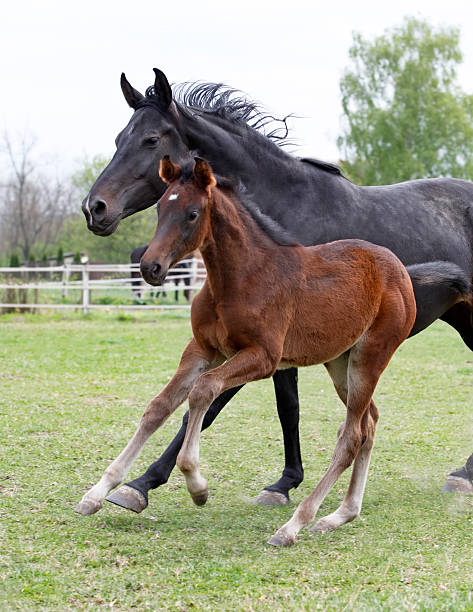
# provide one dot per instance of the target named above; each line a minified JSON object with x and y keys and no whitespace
{"x":404,"y":117}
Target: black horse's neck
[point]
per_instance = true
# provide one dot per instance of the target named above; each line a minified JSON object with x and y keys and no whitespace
{"x":277,"y":181}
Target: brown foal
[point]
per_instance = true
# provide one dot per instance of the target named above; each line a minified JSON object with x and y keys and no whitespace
{"x":267,"y":304}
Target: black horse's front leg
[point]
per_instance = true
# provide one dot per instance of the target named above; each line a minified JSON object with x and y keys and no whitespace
{"x":134,"y":495}
{"x":287,"y":398}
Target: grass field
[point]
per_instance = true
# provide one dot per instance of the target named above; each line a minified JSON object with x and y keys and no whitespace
{"x":72,"y":391}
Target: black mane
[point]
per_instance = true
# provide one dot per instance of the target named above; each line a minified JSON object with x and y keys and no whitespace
{"x":222,"y":101}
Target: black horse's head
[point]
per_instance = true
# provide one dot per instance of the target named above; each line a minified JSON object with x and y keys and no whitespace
{"x":131,"y":182}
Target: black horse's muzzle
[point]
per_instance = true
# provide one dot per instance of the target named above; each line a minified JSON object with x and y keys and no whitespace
{"x":97,"y":216}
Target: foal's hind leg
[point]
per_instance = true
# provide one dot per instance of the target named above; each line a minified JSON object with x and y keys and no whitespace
{"x":365,"y":365}
{"x":351,"y":505}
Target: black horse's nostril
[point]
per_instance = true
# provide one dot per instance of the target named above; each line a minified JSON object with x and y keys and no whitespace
{"x":98,"y":209}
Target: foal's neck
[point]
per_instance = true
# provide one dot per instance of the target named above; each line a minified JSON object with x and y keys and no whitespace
{"x":234,"y":246}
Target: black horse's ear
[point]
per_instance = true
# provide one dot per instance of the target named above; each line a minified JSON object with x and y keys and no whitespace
{"x":132,"y":96}
{"x":168,"y":171}
{"x":162,"y":89}
{"x":203,"y":174}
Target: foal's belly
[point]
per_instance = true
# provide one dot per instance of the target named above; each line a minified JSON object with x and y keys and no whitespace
{"x":305,"y":346}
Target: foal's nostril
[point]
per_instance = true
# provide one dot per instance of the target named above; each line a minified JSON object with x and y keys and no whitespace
{"x":155,"y":269}
{"x":150,"y":270}
{"x":98,"y":209}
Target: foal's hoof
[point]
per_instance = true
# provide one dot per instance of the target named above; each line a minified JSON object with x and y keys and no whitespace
{"x":200,"y":498}
{"x":129,"y":498}
{"x":87,"y":507}
{"x":455,"y":484}
{"x":271,"y":498}
{"x":281,"y":539}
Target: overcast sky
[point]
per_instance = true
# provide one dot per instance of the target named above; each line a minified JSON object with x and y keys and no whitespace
{"x":61,"y":60}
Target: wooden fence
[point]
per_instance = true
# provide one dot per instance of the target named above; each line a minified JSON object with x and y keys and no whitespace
{"x":93,"y":286}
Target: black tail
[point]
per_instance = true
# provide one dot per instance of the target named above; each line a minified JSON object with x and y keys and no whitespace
{"x":438,"y":285}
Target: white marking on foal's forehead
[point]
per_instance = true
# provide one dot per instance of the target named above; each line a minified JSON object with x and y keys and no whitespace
{"x":130,"y":131}
{"x":173,"y":196}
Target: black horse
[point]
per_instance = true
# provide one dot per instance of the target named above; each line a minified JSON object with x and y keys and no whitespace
{"x":180,"y":272}
{"x":420,"y":220}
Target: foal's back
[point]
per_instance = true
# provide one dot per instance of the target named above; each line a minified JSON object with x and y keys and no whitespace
{"x":343,"y":289}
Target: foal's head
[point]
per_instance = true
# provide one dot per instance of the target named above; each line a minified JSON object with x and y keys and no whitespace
{"x":183,"y":217}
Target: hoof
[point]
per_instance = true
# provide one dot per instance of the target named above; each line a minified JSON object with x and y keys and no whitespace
{"x":454,"y":484}
{"x":200,"y":498}
{"x":271,"y":498}
{"x":128,"y":498}
{"x":87,"y":507}
{"x":279,"y":539}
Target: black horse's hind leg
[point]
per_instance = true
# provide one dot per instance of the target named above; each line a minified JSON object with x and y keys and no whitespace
{"x":285,"y":386}
{"x":134,"y":495}
{"x":461,"y":318}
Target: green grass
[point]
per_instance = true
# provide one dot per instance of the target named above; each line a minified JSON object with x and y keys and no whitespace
{"x":72,"y":391}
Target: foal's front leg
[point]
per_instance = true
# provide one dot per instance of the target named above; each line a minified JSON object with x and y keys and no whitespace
{"x":247,"y":365}
{"x":194,"y":361}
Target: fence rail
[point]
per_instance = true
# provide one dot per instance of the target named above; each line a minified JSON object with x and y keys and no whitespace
{"x":95,"y":286}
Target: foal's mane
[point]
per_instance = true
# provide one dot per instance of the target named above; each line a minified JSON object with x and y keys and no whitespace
{"x":235,"y":190}
{"x":267,"y":224}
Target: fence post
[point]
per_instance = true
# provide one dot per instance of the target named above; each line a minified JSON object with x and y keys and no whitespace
{"x":85,"y":289}
{"x":65,"y":280}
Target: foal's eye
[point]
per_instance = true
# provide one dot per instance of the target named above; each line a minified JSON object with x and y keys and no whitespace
{"x":152,"y":140}
{"x":192,"y":216}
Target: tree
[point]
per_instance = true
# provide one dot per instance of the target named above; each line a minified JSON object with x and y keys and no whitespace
{"x":33,"y":206}
{"x":405,"y":116}
{"x":86,"y":175}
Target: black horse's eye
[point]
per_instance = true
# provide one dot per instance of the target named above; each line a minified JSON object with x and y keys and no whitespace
{"x":192,"y":216}
{"x":151,"y":140}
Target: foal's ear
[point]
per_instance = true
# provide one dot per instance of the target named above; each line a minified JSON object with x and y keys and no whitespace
{"x":203,"y":173}
{"x":168,"y":171}
{"x":162,"y":89}
{"x":132,"y":96}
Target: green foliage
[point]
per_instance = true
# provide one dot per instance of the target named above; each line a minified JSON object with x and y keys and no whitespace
{"x":87,"y":174}
{"x":14,"y":261}
{"x":405,"y":115}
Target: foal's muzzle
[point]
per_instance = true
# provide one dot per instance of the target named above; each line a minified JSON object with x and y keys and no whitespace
{"x":153,"y":272}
